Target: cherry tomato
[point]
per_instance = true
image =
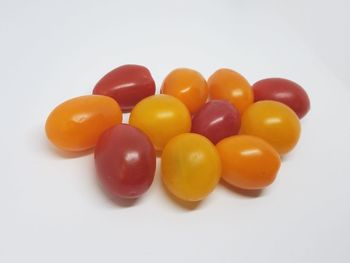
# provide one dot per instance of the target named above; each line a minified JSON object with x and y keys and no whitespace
{"x":274,"y":122}
{"x":125,"y":161}
{"x":76,"y":124}
{"x":248,"y":162}
{"x":284,"y":91}
{"x":161,"y":117}
{"x":127,"y":84}
{"x":187,"y":85}
{"x":216,"y":120}
{"x":226,"y":84}
{"x":190,"y":166}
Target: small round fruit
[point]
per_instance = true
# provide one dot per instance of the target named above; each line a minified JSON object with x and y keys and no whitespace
{"x":190,"y":167}
{"x":274,"y":122}
{"x":187,"y":85}
{"x":127,"y":84}
{"x":216,"y":120}
{"x":226,"y":84}
{"x":284,"y":91}
{"x":161,"y":117}
{"x":76,"y":124}
{"x":248,"y":162}
{"x":125,"y":161}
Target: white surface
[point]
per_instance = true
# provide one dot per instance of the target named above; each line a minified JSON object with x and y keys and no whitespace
{"x":51,"y":209}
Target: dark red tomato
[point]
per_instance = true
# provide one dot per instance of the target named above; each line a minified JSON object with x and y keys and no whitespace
{"x":125,"y":161}
{"x":216,"y":120}
{"x":284,"y":91}
{"x":127,"y":84}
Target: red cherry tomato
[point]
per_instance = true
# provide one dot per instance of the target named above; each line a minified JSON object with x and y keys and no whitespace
{"x":216,"y":120}
{"x":284,"y":91}
{"x":125,"y":161}
{"x":127,"y":84}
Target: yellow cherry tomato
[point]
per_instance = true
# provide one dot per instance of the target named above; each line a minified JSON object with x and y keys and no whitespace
{"x":248,"y":162}
{"x":76,"y":124}
{"x":274,"y":122}
{"x":187,"y":85}
{"x":226,"y":84}
{"x":190,"y":166}
{"x":161,"y":117}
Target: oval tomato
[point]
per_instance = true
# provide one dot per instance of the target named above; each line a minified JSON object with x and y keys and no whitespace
{"x":126,"y":84}
{"x":226,"y":84}
{"x":248,"y":162}
{"x":187,"y":85}
{"x":190,"y":166}
{"x":161,"y":117}
{"x":284,"y":91}
{"x":274,"y":122}
{"x":216,"y":120}
{"x":125,"y":161}
{"x":76,"y":124}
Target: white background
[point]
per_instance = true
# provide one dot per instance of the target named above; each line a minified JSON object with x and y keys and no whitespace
{"x":51,"y":208}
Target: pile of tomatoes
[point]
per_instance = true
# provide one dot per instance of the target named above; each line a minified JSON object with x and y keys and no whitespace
{"x":203,"y":130}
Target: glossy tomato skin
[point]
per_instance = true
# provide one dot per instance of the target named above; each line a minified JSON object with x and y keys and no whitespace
{"x":274,"y":122}
{"x":190,"y":166}
{"x":76,"y":124}
{"x":161,"y":117}
{"x":248,"y":162}
{"x":187,"y":85}
{"x":216,"y":120}
{"x":125,"y":161}
{"x":226,"y":84}
{"x":284,"y":91}
{"x":127,"y":84}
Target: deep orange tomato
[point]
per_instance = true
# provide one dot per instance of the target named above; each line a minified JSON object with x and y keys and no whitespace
{"x":226,"y":84}
{"x":248,"y":162}
{"x":274,"y":122}
{"x":187,"y":85}
{"x":76,"y":124}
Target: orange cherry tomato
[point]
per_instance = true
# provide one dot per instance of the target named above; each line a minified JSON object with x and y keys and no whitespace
{"x":190,"y":166}
{"x":161,"y":117}
{"x":187,"y":85}
{"x":76,"y":124}
{"x":274,"y":122}
{"x":248,"y":162}
{"x":226,"y":84}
